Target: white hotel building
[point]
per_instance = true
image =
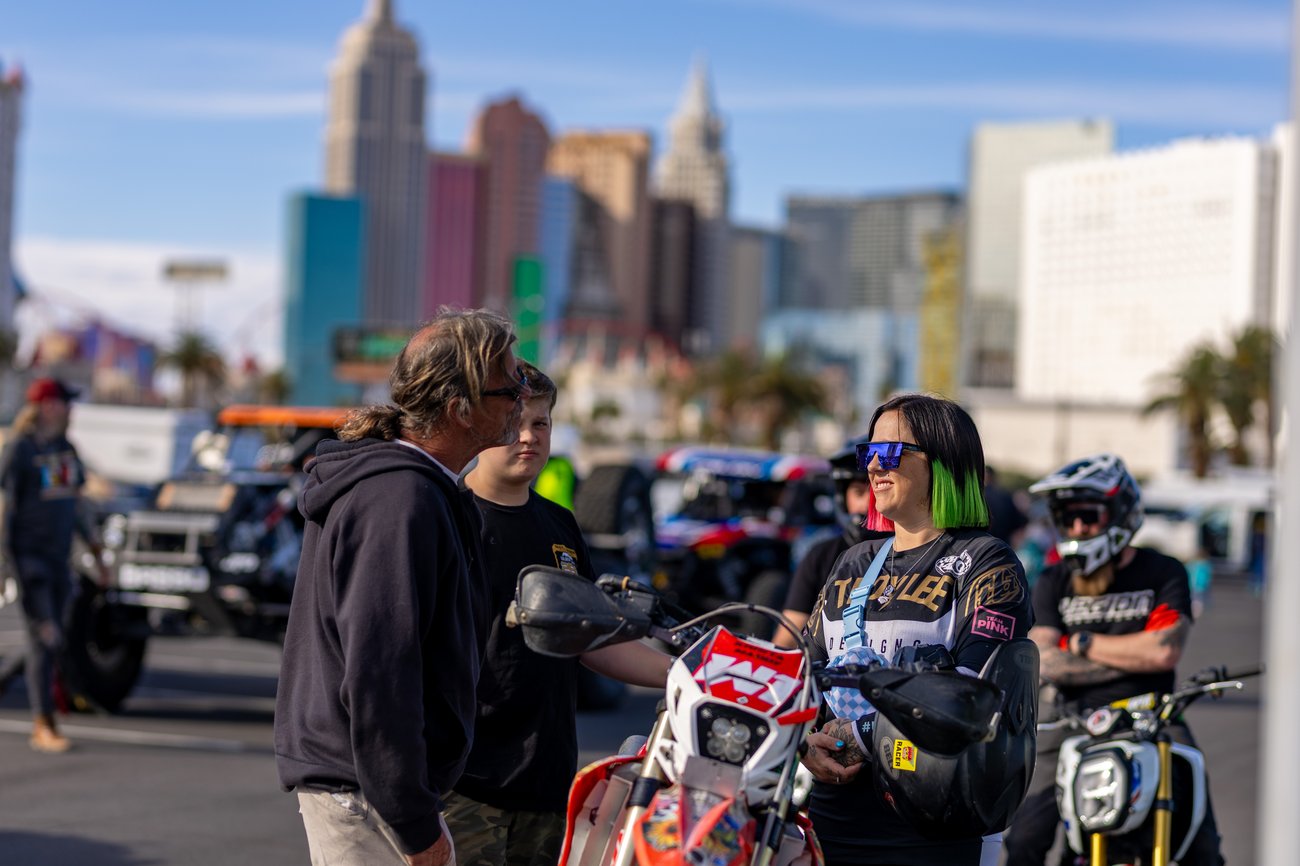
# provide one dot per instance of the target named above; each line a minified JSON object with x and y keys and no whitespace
{"x":1130,"y":260}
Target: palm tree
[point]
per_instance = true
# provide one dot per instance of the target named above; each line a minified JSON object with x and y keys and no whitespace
{"x":1193,"y":390}
{"x":727,"y":382}
{"x":1248,"y":383}
{"x":785,"y":391}
{"x":199,"y":363}
{"x":274,"y":387}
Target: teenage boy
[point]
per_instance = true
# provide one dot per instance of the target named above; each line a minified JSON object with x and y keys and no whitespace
{"x":508,"y":807}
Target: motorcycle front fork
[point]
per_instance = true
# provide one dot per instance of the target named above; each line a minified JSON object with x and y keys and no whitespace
{"x":649,"y":781}
{"x":1164,"y":814}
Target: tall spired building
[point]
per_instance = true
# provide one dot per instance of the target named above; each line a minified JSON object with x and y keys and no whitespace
{"x":694,"y":170}
{"x":375,"y":150}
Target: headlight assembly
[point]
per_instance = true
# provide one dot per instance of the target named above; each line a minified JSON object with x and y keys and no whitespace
{"x":1101,"y":790}
{"x":729,"y":735}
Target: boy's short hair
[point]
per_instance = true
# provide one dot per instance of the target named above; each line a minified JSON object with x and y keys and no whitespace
{"x":539,"y":383}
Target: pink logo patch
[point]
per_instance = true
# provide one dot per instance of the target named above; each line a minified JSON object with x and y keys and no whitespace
{"x":990,"y":623}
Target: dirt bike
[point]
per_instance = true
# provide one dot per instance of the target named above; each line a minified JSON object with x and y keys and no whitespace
{"x":1124,"y":788}
{"x":713,"y":782}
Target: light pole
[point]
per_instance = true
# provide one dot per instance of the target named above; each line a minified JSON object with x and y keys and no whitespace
{"x":187,"y":276}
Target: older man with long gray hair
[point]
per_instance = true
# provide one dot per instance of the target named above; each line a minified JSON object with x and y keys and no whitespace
{"x":375,"y":710}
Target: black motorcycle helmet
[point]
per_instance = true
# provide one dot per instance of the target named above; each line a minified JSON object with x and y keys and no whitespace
{"x":844,"y":471}
{"x":977,"y":791}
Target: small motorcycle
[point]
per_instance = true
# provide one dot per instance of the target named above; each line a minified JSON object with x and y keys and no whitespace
{"x":713,"y":783}
{"x":1126,"y":792}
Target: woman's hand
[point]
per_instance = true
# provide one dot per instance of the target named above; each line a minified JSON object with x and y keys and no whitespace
{"x":833,"y":756}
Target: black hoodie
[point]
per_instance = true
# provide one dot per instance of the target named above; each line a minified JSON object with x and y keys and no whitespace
{"x":385,"y":633}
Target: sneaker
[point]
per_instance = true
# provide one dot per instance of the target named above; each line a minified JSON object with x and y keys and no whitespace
{"x":46,"y":739}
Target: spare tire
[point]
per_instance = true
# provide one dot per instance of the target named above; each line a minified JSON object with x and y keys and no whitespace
{"x":612,"y":506}
{"x":104,"y":650}
{"x":768,"y":588}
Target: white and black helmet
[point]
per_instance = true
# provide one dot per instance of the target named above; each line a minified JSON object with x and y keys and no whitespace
{"x":1100,"y":480}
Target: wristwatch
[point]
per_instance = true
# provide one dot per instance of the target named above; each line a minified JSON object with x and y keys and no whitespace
{"x":1083,"y":644}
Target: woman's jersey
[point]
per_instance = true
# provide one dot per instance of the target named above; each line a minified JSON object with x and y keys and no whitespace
{"x":965,"y":591}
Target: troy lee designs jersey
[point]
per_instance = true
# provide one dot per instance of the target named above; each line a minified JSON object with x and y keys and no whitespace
{"x":965,"y":591}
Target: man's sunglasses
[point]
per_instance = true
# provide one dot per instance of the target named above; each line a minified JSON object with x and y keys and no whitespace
{"x":890,"y":454}
{"x":515,"y":392}
{"x":1090,"y":513}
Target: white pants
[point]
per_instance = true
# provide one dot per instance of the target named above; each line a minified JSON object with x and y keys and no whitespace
{"x":342,"y":830}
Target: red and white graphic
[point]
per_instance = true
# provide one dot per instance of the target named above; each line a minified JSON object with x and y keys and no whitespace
{"x":748,"y":675}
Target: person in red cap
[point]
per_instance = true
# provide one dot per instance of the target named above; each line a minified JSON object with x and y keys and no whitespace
{"x":41,"y":477}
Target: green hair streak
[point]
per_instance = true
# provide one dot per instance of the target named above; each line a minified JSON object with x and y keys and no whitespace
{"x":953,"y":505}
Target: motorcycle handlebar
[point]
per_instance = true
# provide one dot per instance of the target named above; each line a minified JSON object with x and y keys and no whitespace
{"x":1195,"y":686}
{"x":1221,"y":674}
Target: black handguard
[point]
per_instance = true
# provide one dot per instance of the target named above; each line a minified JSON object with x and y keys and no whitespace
{"x":930,"y":657}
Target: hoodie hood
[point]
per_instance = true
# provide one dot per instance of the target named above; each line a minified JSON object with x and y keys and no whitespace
{"x":340,"y":466}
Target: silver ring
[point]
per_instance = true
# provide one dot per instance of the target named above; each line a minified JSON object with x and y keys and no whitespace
{"x":837,"y":779}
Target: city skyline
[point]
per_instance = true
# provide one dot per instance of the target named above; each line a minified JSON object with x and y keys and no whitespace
{"x":872,"y":100}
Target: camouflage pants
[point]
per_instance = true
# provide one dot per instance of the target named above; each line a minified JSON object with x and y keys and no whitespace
{"x":487,"y":836}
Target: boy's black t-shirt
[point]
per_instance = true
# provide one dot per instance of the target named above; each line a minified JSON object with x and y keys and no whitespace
{"x":965,"y":591}
{"x":1148,"y":594}
{"x":525,"y":750}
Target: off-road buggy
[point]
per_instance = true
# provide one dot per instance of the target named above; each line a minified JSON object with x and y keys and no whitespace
{"x":711,"y":525}
{"x":216,"y":553}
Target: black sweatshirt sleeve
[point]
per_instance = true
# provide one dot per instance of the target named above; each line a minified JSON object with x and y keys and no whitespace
{"x":385,"y":588}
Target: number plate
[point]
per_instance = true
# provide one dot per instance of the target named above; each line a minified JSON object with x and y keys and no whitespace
{"x":163,"y":578}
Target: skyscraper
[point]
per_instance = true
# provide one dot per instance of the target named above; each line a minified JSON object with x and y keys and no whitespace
{"x":1001,"y":154}
{"x":512,"y":141}
{"x":755,"y":271}
{"x":822,"y":227}
{"x":866,"y":251}
{"x":611,"y":272}
{"x":11,"y":96}
{"x":375,"y":150}
{"x":694,"y":170}
{"x":456,"y":224}
{"x":324,"y":256}
{"x":672,"y":269}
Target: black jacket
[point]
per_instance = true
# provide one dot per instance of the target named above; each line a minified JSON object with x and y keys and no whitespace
{"x":386,"y":629}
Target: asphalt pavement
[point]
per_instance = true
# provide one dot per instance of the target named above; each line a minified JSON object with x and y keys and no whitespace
{"x":185,"y":774}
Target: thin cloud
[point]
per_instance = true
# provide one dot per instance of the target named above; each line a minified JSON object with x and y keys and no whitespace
{"x":1196,"y":105}
{"x":200,"y":105}
{"x":1221,"y":28}
{"x":73,"y":281}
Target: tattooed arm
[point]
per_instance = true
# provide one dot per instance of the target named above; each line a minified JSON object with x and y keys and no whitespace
{"x":1143,"y":652}
{"x":1061,"y":668}
{"x":1110,"y":656}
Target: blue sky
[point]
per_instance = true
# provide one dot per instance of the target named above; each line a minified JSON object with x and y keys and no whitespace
{"x":155,"y":129}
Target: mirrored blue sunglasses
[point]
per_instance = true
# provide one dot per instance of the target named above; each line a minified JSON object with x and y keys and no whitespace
{"x":890,"y":454}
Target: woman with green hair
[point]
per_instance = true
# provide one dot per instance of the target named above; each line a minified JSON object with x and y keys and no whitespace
{"x":941,"y":587}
